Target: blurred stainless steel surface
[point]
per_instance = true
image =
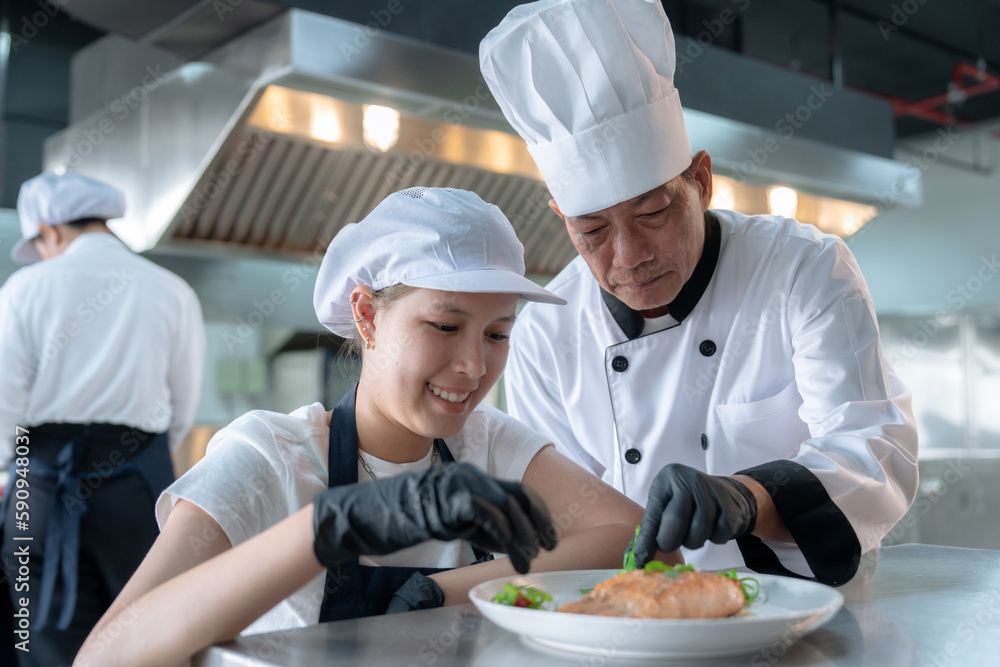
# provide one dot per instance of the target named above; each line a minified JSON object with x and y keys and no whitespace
{"x":956,"y":502}
{"x":909,"y":605}
{"x":950,"y":361}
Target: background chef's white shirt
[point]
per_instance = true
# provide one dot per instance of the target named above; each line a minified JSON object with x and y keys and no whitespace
{"x":266,"y":466}
{"x":99,"y":334}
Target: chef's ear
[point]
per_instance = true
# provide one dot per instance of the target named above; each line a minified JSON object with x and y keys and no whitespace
{"x":49,"y":233}
{"x":363,"y":310}
{"x":46,"y":242}
{"x":555,"y":207}
{"x":701,"y":164}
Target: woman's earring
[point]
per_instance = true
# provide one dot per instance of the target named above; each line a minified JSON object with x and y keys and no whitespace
{"x":368,"y":342}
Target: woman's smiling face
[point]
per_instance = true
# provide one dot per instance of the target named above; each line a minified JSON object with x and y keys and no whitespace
{"x":435,"y":355}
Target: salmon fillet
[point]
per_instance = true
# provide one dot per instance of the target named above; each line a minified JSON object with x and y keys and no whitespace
{"x":640,"y":594}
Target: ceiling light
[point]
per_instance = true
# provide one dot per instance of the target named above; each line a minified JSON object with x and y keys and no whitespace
{"x":783,"y":201}
{"x":380,"y":127}
{"x":325,"y":125}
{"x":723,"y":196}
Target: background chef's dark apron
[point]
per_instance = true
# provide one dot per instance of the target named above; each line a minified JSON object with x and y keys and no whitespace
{"x":353,"y":590}
{"x":105,"y":478}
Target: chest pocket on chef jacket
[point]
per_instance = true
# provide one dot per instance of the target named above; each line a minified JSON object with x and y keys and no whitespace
{"x":757,"y":432}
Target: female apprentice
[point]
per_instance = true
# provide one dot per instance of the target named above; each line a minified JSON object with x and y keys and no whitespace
{"x":429,"y":281}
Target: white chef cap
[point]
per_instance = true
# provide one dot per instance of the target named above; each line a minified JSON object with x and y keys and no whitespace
{"x":54,"y":199}
{"x":437,"y":238}
{"x":589,"y":84}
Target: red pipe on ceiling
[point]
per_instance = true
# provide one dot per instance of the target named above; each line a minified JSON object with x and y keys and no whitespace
{"x":927,"y":109}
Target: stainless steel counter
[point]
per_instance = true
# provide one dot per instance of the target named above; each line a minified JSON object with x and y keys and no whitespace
{"x":916,"y":605}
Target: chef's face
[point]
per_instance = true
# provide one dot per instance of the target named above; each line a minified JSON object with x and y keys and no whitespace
{"x":435,"y":355}
{"x":643,"y":250}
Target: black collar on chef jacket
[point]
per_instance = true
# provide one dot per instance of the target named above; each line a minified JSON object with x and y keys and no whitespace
{"x":631,"y":321}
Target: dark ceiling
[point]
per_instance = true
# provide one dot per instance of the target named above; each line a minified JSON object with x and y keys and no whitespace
{"x":901,"y":48}
{"x":905,"y":49}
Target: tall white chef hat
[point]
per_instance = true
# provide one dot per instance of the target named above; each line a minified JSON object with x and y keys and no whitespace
{"x":589,"y":84}
{"x":54,"y":199}
{"x":437,"y":238}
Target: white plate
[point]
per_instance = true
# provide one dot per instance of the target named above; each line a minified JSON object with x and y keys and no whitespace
{"x":786,"y":610}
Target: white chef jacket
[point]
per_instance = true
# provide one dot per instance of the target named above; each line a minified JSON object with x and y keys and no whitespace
{"x":99,"y":334}
{"x":774,"y":365}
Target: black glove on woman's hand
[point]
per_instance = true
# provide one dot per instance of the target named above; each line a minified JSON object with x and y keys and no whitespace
{"x":419,"y":592}
{"x":450,"y":502}
{"x":688,"y":507}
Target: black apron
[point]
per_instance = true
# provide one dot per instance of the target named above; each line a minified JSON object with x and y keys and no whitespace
{"x":353,"y":590}
{"x":142,"y":453}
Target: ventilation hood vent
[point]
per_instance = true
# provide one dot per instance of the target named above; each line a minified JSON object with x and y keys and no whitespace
{"x":302,"y":125}
{"x":299,"y":168}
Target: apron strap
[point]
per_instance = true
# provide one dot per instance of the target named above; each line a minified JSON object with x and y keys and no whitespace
{"x":62,"y":536}
{"x":67,"y":508}
{"x":353,"y":590}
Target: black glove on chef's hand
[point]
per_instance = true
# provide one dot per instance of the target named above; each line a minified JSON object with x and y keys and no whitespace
{"x":450,"y":502}
{"x":687,"y":507}
{"x":419,"y":592}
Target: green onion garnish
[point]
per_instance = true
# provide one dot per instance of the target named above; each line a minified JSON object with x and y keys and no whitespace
{"x":749,"y":585}
{"x":628,"y":562}
{"x":669,"y":570}
{"x":521,"y":596}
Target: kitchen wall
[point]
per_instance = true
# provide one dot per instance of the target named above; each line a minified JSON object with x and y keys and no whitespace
{"x":10,"y":232}
{"x":942,"y":255}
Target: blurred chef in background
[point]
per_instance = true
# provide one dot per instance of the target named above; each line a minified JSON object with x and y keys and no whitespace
{"x":723,"y":369}
{"x":102,"y":354}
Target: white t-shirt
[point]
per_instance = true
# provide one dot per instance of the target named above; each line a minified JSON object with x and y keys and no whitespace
{"x":265,"y":466}
{"x":653,"y":324}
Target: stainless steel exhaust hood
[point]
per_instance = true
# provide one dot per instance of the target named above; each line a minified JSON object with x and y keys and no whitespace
{"x":283,"y":135}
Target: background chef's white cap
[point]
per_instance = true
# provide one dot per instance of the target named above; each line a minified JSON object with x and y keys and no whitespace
{"x":438,"y":238}
{"x":589,"y":84}
{"x":53,"y":199}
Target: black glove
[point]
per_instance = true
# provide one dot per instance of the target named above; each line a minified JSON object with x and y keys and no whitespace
{"x":687,"y":507}
{"x":450,"y":502}
{"x":419,"y":592}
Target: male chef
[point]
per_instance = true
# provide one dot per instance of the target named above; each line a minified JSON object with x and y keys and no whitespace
{"x":102,"y":355}
{"x":723,"y":369}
